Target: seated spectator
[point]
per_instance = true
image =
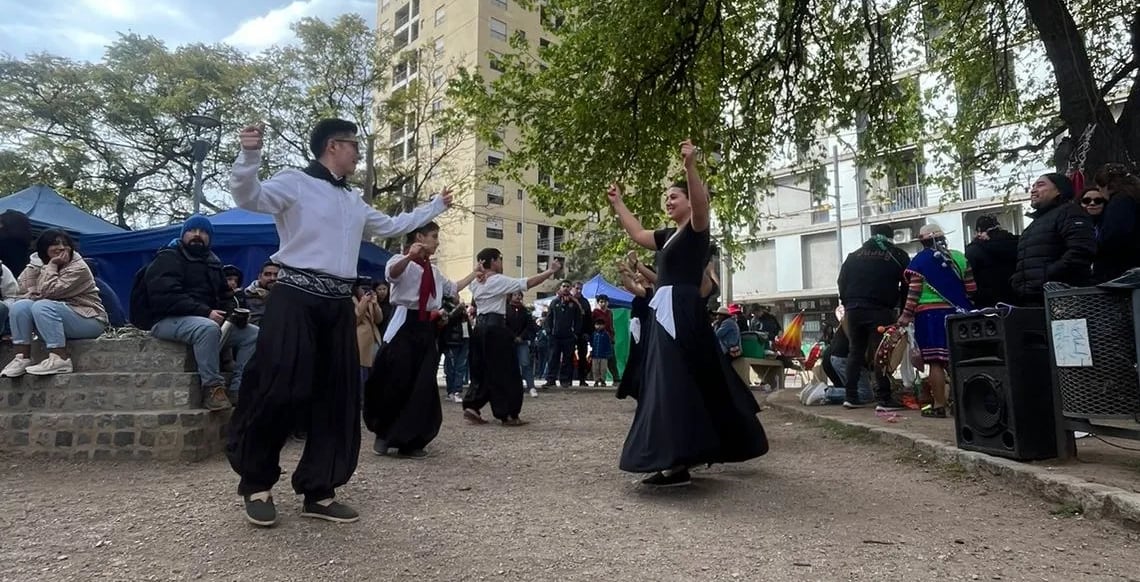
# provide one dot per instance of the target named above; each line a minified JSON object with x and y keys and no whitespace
{"x":255,"y":296}
{"x":9,"y":293}
{"x":116,"y":315}
{"x":189,"y":297}
{"x":58,"y":301}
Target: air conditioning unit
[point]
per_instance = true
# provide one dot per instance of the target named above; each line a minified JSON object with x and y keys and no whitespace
{"x":903,"y":235}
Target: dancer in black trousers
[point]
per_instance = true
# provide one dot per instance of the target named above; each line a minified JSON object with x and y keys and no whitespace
{"x":306,"y":371}
{"x":495,"y":375}
{"x":401,"y":397}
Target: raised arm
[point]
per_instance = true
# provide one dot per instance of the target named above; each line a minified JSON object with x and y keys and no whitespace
{"x":396,"y":269}
{"x":464,"y":282}
{"x":380,"y":225}
{"x":272,"y":196}
{"x":628,"y":221}
{"x":698,"y":192}
{"x":555,"y":267}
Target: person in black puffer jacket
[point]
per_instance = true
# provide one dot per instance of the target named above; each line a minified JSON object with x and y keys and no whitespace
{"x":1057,"y":246}
{"x":188,"y":297}
{"x":1118,"y":246}
{"x":992,"y":257}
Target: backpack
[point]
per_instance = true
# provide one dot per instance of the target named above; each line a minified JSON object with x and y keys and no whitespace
{"x":138,"y":312}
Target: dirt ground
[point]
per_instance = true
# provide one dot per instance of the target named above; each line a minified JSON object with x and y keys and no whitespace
{"x":547,"y":502}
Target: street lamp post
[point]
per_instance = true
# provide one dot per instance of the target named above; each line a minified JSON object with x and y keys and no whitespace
{"x":198,"y":151}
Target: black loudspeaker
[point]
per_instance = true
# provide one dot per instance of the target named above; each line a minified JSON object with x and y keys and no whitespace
{"x":1001,"y":372}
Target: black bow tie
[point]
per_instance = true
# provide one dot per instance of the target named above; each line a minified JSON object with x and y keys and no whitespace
{"x":318,"y":171}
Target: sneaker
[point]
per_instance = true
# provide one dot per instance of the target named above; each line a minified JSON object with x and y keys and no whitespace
{"x":415,"y":454}
{"x":533,"y":393}
{"x":380,"y":447}
{"x":583,"y":383}
{"x":52,"y":365}
{"x":889,"y":406}
{"x":330,"y":510}
{"x":259,"y":509}
{"x":17,"y":367}
{"x":672,"y":479}
{"x":848,"y":404}
{"x":215,"y":399}
{"x":548,"y":384}
{"x":455,"y":397}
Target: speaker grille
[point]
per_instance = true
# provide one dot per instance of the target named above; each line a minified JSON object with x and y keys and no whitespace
{"x":1108,"y":389}
{"x":982,"y":405}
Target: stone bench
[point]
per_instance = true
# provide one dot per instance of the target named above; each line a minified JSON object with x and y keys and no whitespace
{"x":134,"y":397}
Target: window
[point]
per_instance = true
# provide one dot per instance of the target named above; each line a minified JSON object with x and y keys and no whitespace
{"x":518,"y":261}
{"x":519,"y":228}
{"x":402,"y":16}
{"x":559,"y":238}
{"x":414,"y":29}
{"x":436,"y":140}
{"x":437,"y":105}
{"x":543,"y":263}
{"x":495,"y":194}
{"x":520,"y":35}
{"x":440,"y":16}
{"x":500,"y":4}
{"x":543,"y":43}
{"x":498,"y":29}
{"x":439,"y":47}
{"x":437,"y":80}
{"x":399,"y":73}
{"x":520,"y":193}
{"x":400,"y":40}
{"x":543,"y":238}
{"x":494,"y":158}
{"x":495,"y":228}
{"x":415,"y":8}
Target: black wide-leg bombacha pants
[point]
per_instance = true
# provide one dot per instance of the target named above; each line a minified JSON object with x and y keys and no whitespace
{"x":495,"y":375}
{"x":305,"y":375}
{"x":401,"y":398}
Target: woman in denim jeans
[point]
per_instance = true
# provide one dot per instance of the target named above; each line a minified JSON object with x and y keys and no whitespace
{"x":60,"y":301}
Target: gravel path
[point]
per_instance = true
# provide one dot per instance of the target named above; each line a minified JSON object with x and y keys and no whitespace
{"x":547,"y":502}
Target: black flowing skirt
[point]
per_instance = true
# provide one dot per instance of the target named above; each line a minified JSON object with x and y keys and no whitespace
{"x":630,"y":385}
{"x":401,"y":397}
{"x":693,"y":409}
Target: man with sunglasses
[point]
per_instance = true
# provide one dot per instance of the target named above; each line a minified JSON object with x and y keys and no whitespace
{"x":306,"y":371}
{"x":992,"y":257}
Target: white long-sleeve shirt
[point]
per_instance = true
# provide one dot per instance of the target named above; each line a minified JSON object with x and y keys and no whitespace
{"x":319,"y":224}
{"x":405,"y":289}
{"x":491,"y":295}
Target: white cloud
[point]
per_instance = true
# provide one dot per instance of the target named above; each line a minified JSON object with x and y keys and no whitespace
{"x":262,"y":32}
{"x":128,"y":10}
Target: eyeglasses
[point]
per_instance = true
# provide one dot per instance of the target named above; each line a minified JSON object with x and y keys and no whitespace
{"x":1092,"y":201}
{"x":355,"y":143}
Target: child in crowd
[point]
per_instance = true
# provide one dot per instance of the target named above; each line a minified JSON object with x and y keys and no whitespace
{"x":602,"y":349}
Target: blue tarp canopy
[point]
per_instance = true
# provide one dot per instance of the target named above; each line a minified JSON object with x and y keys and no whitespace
{"x":46,"y":209}
{"x":598,"y":286}
{"x":241,"y":238}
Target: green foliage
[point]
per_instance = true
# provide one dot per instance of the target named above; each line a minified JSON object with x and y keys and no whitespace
{"x":627,"y":80}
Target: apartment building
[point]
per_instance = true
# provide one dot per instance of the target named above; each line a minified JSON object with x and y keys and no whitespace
{"x":468,"y":33}
{"x":825,"y":202}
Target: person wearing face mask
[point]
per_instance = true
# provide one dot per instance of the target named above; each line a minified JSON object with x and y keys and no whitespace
{"x":940,"y":284}
{"x":1057,"y":246}
{"x":188,"y":297}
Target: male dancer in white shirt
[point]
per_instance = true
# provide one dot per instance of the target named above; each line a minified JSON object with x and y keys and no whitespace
{"x":495,"y":375}
{"x":401,"y":397}
{"x":306,"y":372}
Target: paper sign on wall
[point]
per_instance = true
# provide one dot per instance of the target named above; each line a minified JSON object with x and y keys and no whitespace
{"x":1071,"y":343}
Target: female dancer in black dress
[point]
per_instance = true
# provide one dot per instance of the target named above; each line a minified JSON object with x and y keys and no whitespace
{"x":693,"y":409}
{"x":634,"y":282}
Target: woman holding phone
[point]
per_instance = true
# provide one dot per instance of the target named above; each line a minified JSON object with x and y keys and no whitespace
{"x":59,"y":302}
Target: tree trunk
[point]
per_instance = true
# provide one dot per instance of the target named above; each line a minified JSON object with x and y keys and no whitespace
{"x":1080,"y":101}
{"x":370,"y":169}
{"x":121,"y":204}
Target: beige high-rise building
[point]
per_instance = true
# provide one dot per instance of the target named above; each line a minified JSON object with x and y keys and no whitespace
{"x":467,"y":33}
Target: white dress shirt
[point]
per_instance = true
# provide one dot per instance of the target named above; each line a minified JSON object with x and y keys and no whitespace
{"x":405,"y":289}
{"x":319,"y":224}
{"x":491,"y":295}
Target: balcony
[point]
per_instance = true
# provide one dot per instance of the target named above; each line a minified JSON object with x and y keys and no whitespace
{"x":898,"y":199}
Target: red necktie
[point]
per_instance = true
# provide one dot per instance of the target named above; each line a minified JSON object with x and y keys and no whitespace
{"x":427,"y":287}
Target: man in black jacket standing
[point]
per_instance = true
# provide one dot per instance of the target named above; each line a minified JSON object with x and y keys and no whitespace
{"x":992,"y":257}
{"x":188,"y":297}
{"x":1059,"y":245}
{"x":563,"y":324}
{"x":872,"y":286}
{"x":585,"y":328}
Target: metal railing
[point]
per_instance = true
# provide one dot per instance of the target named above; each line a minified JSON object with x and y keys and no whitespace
{"x":909,"y":197}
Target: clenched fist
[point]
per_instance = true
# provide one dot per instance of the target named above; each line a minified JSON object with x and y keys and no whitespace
{"x":614,"y":193}
{"x":252,"y":137}
{"x":688,"y":153}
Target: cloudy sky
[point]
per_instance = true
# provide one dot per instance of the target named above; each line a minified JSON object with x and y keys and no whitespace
{"x":80,"y":29}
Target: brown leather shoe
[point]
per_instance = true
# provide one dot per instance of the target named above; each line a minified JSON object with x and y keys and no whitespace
{"x":473,"y":417}
{"x":515,"y":422}
{"x":216,"y":398}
